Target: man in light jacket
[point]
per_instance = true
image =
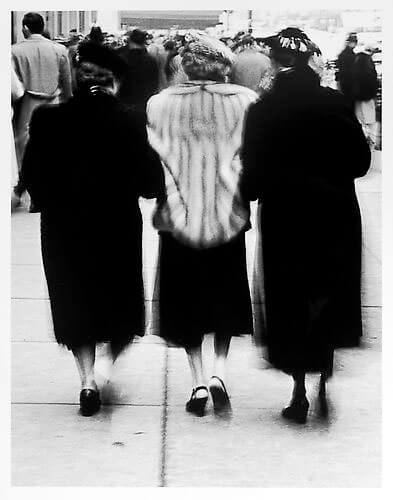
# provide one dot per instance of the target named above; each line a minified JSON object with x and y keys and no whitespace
{"x":44,"y":70}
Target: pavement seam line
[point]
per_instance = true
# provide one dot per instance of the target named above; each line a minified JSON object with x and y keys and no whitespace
{"x":37,"y":403}
{"x":164,"y":424}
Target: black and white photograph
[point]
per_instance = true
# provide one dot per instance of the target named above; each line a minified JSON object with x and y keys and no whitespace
{"x":195,"y":215}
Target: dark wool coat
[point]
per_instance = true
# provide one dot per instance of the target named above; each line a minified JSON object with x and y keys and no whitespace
{"x":344,"y":75}
{"x":303,"y":147}
{"x":85,"y":166}
{"x":365,"y":79}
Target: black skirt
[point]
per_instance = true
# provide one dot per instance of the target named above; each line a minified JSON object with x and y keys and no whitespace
{"x":94,"y":277}
{"x":202,"y":291}
{"x":311,"y":278}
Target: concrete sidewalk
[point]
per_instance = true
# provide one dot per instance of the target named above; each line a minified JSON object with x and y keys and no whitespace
{"x":146,"y":438}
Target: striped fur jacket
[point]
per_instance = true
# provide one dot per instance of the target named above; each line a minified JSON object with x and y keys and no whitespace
{"x":196,"y":128}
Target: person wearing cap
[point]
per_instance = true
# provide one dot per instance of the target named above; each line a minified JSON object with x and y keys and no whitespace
{"x":92,"y":253}
{"x":141,"y":80}
{"x":196,"y":128}
{"x":303,"y":147}
{"x":344,"y":68}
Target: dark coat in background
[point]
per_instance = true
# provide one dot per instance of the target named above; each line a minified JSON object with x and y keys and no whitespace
{"x":365,"y":79}
{"x":87,"y":191}
{"x":303,"y":147}
{"x":344,"y":73}
{"x":142,"y":78}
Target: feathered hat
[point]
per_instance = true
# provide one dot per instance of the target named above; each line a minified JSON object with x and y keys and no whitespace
{"x":293,"y":43}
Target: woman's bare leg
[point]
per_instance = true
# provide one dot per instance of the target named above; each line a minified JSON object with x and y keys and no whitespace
{"x":195,"y":361}
{"x":299,"y":386}
{"x":221,"y":349}
{"x":85,"y":359}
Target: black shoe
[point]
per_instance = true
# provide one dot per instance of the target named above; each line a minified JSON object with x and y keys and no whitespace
{"x":220,"y":396}
{"x":297,"y":411}
{"x":196,"y":405}
{"x":90,"y":402}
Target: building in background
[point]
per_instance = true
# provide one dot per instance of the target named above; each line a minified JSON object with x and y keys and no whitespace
{"x":169,"y":19}
{"x":57,"y":22}
{"x":265,"y":21}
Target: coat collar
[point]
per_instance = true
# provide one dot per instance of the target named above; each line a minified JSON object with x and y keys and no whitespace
{"x":194,"y":86}
{"x":301,"y":79}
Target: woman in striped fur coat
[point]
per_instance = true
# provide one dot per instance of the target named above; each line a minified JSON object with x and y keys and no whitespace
{"x":196,"y":128}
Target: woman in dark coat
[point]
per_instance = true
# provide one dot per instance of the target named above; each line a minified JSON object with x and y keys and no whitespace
{"x":303,"y":148}
{"x":87,"y":191}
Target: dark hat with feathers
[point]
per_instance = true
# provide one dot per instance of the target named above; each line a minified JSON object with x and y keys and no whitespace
{"x":292,"y":41}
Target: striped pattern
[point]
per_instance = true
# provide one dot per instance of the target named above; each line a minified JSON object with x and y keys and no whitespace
{"x":196,"y":128}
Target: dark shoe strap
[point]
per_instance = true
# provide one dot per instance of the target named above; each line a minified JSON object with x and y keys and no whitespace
{"x":199,"y":387}
{"x":221,"y":382}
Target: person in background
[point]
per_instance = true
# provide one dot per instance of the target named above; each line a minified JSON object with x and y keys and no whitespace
{"x":250,"y":64}
{"x":157,"y":50}
{"x":149,"y":39}
{"x":196,"y":128}
{"x":142,"y":78}
{"x":344,"y":65}
{"x":365,"y":89}
{"x":96,"y":35}
{"x":74,"y":39}
{"x":171,"y":68}
{"x":17,"y":92}
{"x":303,"y":148}
{"x":92,"y":257}
{"x":44,"y":70}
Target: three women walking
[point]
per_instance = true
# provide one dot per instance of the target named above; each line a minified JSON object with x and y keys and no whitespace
{"x":297,"y":150}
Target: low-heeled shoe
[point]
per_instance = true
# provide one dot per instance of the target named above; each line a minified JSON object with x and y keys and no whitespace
{"x":297,"y":411}
{"x":195,"y":405}
{"x":89,"y":401}
{"x":220,"y":396}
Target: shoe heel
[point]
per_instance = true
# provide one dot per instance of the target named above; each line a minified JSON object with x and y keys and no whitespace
{"x":219,"y":396}
{"x":297,"y":412}
{"x":90,"y":402}
{"x":197,"y":406}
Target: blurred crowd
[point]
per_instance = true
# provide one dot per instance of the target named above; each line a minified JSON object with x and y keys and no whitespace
{"x":166,"y":46}
{"x":252,"y":66}
{"x":154,"y":63}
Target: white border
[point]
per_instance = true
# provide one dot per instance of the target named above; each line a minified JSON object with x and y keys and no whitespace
{"x":145,"y":493}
